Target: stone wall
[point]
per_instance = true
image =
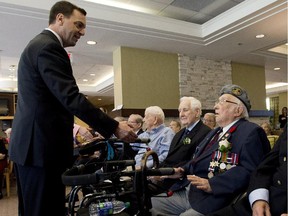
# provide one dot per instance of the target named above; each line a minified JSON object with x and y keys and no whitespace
{"x":203,"y":78}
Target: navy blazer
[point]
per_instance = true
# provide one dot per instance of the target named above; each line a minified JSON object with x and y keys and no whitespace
{"x":272,"y":175}
{"x":48,"y":99}
{"x":250,"y":142}
{"x":180,"y":153}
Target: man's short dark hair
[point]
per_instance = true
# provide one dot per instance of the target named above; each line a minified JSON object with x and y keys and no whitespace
{"x":64,"y":7}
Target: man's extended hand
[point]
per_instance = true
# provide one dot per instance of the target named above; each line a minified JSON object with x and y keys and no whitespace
{"x":125,"y":132}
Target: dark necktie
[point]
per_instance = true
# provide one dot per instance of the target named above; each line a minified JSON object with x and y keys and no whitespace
{"x":184,"y":134}
{"x":213,"y":140}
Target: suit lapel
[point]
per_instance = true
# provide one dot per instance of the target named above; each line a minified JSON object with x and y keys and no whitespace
{"x":215,"y":146}
{"x":191,"y":134}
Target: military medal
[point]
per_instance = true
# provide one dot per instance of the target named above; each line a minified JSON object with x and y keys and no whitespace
{"x":222,"y":166}
{"x":210,"y":174}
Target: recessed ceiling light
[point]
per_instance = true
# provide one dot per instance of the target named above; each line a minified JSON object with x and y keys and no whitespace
{"x":277,"y":68}
{"x":12,"y":67}
{"x":91,"y":42}
{"x":260,"y":36}
{"x":85,"y":80}
{"x":92,"y":74}
{"x":99,"y":99}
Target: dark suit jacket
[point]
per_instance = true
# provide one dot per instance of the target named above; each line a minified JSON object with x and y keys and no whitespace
{"x":250,"y":142}
{"x":140,"y":131}
{"x":180,"y":153}
{"x":48,"y":99}
{"x":272,"y":175}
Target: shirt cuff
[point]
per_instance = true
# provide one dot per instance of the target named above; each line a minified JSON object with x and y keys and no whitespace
{"x":259,"y":194}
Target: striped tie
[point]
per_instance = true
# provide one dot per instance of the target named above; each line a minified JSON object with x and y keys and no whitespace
{"x":213,"y":140}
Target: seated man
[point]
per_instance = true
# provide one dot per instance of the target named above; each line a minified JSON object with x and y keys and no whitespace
{"x":267,"y":191}
{"x":136,"y":122}
{"x":223,"y":161}
{"x":210,"y":120}
{"x":188,"y":138}
{"x":184,"y":142}
{"x":160,"y":136}
{"x":175,"y":125}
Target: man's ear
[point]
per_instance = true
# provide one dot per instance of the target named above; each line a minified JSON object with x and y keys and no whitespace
{"x":239,"y":110}
{"x":60,"y":19}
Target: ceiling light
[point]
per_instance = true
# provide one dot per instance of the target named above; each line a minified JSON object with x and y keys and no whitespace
{"x":275,"y":85}
{"x":277,"y":68}
{"x":99,"y":99}
{"x":85,"y":80}
{"x":260,"y":36}
{"x":91,"y":42}
{"x":12,"y":67}
{"x":92,"y":74}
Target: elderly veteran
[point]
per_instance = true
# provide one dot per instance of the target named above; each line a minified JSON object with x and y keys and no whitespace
{"x":223,"y":161}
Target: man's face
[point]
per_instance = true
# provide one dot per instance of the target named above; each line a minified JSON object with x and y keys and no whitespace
{"x":72,"y":28}
{"x":227,"y":109}
{"x":150,"y":121}
{"x":209,"y":121}
{"x":174,"y":126}
{"x":187,"y":115}
{"x":133,"y":123}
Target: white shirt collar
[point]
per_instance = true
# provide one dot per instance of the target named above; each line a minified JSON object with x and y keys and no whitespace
{"x":59,"y":38}
{"x":226,"y":128}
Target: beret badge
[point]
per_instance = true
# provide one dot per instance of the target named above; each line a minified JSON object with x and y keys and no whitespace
{"x":237,"y":91}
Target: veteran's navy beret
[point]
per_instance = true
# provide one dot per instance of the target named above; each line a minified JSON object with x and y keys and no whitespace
{"x":238,"y":92}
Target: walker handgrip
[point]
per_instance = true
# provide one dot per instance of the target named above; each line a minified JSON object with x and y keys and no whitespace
{"x":160,"y":171}
{"x":71,"y":177}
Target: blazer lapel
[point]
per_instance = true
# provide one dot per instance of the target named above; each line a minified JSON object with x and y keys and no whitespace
{"x":199,"y":150}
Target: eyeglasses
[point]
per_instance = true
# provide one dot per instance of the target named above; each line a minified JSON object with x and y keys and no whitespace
{"x":207,"y":120}
{"x":131,"y":122}
{"x":221,"y":101}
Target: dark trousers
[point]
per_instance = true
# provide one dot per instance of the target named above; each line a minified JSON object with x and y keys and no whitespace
{"x":40,"y":191}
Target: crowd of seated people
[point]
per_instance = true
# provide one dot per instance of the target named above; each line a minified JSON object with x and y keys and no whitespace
{"x":222,"y":163}
{"x":201,"y":169}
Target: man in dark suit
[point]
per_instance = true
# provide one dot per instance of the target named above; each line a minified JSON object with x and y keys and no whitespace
{"x":223,"y":161}
{"x":187,"y":139}
{"x":184,"y":142}
{"x":48,"y":98}
{"x":267,"y":191}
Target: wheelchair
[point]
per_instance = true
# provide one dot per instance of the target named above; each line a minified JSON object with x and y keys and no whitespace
{"x":111,"y":176}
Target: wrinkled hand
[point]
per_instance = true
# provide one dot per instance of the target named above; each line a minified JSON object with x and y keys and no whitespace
{"x":155,"y":179}
{"x":261,"y":208}
{"x":200,"y":183}
{"x":178,"y":173}
{"x":125,"y":132}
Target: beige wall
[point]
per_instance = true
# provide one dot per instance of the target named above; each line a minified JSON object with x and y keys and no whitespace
{"x":282,"y":101}
{"x":251,"y":78}
{"x":144,"y":78}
